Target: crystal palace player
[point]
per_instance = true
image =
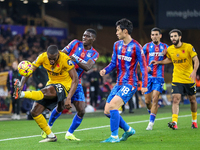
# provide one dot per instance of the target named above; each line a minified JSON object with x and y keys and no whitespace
{"x":84,"y":56}
{"x":126,"y":54}
{"x":153,"y":51}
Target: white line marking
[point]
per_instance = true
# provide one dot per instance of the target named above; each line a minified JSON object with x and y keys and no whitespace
{"x":91,"y":128}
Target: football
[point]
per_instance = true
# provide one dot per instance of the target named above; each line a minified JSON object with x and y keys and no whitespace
{"x":25,"y":68}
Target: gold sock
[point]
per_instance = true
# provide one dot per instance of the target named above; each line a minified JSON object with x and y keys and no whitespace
{"x":194,"y":115}
{"x":174,"y":118}
{"x":41,"y":121}
{"x":34,"y":95}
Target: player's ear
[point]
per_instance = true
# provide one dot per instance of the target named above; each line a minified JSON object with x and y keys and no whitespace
{"x":160,"y":35}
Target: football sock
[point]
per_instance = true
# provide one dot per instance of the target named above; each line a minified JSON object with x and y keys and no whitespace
{"x":152,"y":117}
{"x":194,"y":116}
{"x":114,"y":122}
{"x":41,"y":121}
{"x":34,"y":95}
{"x":122,"y":123}
{"x":75,"y":123}
{"x":175,"y":118}
{"x":149,"y":111}
{"x":54,"y":115}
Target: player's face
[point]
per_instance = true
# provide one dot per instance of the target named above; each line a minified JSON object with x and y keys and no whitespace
{"x":88,"y":38}
{"x":53,"y":58}
{"x":120,"y":34}
{"x":156,"y":36}
{"x":175,"y":38}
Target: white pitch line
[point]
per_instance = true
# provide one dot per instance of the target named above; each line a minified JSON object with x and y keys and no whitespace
{"x":9,"y":139}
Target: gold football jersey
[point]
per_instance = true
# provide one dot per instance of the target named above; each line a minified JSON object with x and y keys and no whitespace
{"x":57,"y":73}
{"x":182,"y":60}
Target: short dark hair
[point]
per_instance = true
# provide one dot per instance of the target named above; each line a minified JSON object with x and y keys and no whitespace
{"x":125,"y":24}
{"x":156,"y":29}
{"x":52,"y":49}
{"x":176,"y":30}
{"x":92,"y":31}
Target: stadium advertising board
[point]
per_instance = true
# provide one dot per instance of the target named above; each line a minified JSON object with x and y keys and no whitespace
{"x":59,"y":33}
{"x":182,"y":14}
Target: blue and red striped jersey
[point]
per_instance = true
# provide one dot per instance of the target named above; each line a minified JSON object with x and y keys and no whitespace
{"x":154,"y":52}
{"x":125,"y":59}
{"x":76,"y":49}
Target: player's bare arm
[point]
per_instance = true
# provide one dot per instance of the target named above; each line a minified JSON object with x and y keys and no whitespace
{"x":196,"y":66}
{"x":74,"y":85}
{"x":25,"y":79}
{"x":163,"y":62}
{"x":143,"y":90}
{"x":85,"y":66}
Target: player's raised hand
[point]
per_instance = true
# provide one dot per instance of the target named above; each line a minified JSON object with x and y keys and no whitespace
{"x":102,"y":72}
{"x":193,"y":76}
{"x":67,"y":103}
{"x":143,"y":90}
{"x":154,"y":62}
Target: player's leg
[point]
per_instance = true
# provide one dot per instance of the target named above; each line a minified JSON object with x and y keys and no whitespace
{"x":36,"y":113}
{"x":78,"y":100}
{"x":193,"y":103}
{"x":111,"y":109}
{"x":80,"y":108}
{"x":176,"y":98}
{"x":48,"y":92}
{"x":154,"y":109}
{"x":148,"y":95}
{"x":177,"y":91}
{"x":148,"y":101}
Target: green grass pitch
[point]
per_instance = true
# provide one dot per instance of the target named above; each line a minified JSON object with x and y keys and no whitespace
{"x":25,"y":134}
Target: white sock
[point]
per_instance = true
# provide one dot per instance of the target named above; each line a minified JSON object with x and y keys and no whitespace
{"x":114,"y":136}
{"x":129,"y":129}
{"x":194,"y":121}
{"x":68,"y":133}
{"x":22,"y":94}
{"x":51,"y":135}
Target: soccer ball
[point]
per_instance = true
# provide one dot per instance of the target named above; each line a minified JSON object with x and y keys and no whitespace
{"x":25,"y":68}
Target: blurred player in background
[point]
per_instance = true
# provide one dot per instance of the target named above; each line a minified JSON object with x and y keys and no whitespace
{"x":153,"y":51}
{"x":182,"y":55}
{"x":62,"y":84}
{"x":126,"y":54}
{"x":84,"y":56}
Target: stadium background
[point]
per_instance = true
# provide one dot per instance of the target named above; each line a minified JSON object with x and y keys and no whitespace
{"x":69,"y":18}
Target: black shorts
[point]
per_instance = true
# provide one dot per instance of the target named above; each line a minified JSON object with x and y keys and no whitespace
{"x":184,"y":89}
{"x":52,"y":103}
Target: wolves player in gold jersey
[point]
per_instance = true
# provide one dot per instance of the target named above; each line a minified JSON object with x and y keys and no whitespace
{"x":184,"y":75}
{"x":60,"y":88}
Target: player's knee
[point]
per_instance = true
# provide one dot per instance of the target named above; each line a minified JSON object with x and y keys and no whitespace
{"x":34,"y":113}
{"x":147,"y":102}
{"x":81,"y":113}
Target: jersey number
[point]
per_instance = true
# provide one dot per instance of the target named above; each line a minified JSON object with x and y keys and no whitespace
{"x":125,"y":90}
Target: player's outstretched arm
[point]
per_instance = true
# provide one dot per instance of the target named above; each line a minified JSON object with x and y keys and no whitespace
{"x":163,"y":62}
{"x":73,"y":74}
{"x":25,"y":79}
{"x":85,"y":66}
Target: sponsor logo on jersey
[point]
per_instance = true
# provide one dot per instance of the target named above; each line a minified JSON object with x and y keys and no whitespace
{"x":156,"y":54}
{"x":122,"y":57}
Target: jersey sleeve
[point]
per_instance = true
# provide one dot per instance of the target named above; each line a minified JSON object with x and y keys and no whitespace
{"x":39,"y":60}
{"x":112,"y":64}
{"x":95,"y":56}
{"x":192,"y":51}
{"x":143,"y":65}
{"x":69,"y":64}
{"x":70,"y":46}
{"x":146,"y":53}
